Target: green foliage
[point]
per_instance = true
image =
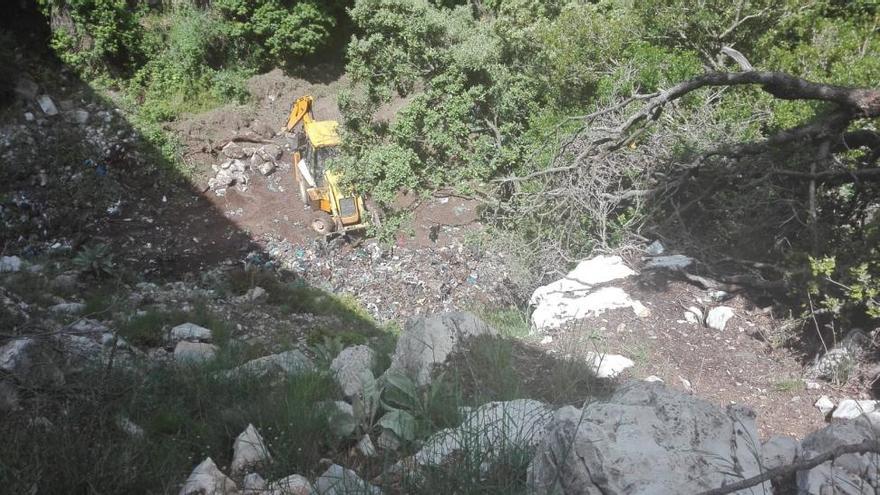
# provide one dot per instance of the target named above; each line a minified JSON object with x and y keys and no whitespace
{"x":843,"y":289}
{"x":395,"y":403}
{"x":271,"y":33}
{"x":96,"y":36}
{"x":95,"y":260}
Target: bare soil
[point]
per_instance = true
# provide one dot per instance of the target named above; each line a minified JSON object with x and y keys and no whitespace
{"x":733,"y":366}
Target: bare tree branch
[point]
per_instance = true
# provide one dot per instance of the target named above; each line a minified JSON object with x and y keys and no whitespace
{"x":867,"y":446}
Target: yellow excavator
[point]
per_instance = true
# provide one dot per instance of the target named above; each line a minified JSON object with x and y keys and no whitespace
{"x":337,"y":209}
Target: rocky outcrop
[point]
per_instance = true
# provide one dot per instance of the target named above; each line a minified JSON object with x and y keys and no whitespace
{"x":428,"y":341}
{"x":647,"y":439}
{"x":580,"y":294}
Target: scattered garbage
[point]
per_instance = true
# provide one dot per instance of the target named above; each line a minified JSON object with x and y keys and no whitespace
{"x":394,"y":283}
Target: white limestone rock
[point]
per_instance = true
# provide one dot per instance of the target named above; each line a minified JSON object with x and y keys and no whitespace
{"x":248,"y":451}
{"x":718,"y":317}
{"x":348,"y":366}
{"x":190,"y":332}
{"x":207,"y":479}
{"x":194,"y":352}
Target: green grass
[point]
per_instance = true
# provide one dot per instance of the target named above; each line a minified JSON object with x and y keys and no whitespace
{"x":510,"y":321}
{"x":788,"y":385}
{"x":150,"y":327}
{"x":187,"y":414}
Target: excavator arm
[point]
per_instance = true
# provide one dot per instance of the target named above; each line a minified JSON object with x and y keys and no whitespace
{"x":300,"y":111}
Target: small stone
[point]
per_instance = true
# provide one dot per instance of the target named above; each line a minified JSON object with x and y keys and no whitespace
{"x":232,"y":150}
{"x":718,"y":295}
{"x":128,"y":426}
{"x":655,"y":249}
{"x":28,"y":116}
{"x":812,"y":385}
{"x":68,"y":308}
{"x":686,"y":384}
{"x":640,"y":309}
{"x":193,"y":352}
{"x":257,"y":295}
{"x":190,"y":332}
{"x":653,"y":378}
{"x":718,"y":317}
{"x":249,"y":451}
{"x":271,"y":152}
{"x":609,"y":365}
{"x":205,"y":479}
{"x":694,"y":315}
{"x":547,"y":340}
{"x":47,"y":105}
{"x":824,"y":405}
{"x":267,"y":168}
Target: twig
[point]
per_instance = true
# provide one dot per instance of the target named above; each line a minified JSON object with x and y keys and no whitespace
{"x":867,"y":446}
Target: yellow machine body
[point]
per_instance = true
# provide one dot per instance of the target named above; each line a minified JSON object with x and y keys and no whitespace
{"x":319,"y":188}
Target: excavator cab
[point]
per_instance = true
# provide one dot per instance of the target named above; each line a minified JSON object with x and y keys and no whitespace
{"x":337,"y":208}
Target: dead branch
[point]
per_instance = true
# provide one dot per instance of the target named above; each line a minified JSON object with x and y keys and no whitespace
{"x":867,"y":446}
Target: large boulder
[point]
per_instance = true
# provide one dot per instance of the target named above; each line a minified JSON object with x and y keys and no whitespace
{"x":428,"y":341}
{"x":348,"y":366}
{"x":848,"y":474}
{"x":273,"y":366}
{"x":647,"y":439}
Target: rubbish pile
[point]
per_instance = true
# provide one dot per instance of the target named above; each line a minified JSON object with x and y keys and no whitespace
{"x":395,"y":283}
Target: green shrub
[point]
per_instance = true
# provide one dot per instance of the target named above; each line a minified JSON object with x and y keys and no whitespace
{"x":97,"y":36}
{"x":272,"y":33}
